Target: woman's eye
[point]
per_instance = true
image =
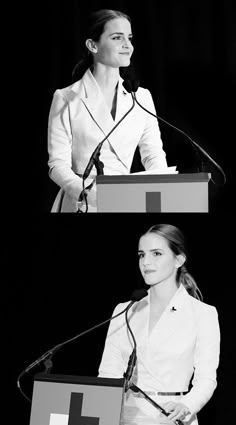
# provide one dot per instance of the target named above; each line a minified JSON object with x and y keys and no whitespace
{"x":140,"y":255}
{"x":118,"y":37}
{"x":156,"y":253}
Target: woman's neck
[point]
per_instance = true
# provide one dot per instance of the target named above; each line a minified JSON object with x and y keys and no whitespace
{"x":162,"y":292}
{"x":107,"y":78}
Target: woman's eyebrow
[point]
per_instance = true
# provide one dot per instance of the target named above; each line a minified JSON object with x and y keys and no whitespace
{"x":120,"y":33}
{"x":152,"y":250}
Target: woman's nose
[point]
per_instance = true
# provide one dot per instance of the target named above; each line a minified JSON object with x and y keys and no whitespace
{"x":126,"y":43}
{"x":146,"y":260}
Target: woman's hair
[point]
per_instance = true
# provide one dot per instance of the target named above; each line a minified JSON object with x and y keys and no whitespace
{"x":94,"y":29}
{"x":177,"y":244}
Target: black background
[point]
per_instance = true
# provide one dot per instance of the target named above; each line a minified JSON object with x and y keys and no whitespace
{"x":66,"y":273}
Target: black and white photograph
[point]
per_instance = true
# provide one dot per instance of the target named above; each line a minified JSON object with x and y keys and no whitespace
{"x":176,"y":275}
{"x":118,"y":300}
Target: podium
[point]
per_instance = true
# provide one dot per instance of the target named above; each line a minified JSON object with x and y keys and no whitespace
{"x":76,"y":400}
{"x":153,"y":193}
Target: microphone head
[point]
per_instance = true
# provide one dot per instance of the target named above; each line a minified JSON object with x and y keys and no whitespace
{"x":138,"y":294}
{"x":131,"y":85}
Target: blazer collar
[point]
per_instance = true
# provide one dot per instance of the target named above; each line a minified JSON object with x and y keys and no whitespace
{"x":172,"y":317}
{"x":91,"y":87}
{"x":93,"y":99}
{"x":169,"y":319}
{"x":178,"y":299}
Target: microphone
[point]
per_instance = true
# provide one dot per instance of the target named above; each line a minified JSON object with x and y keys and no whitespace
{"x":132,"y":85}
{"x":137,"y":295}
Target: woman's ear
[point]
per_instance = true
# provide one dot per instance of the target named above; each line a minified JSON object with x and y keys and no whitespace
{"x":91,"y":46}
{"x":180,"y":260}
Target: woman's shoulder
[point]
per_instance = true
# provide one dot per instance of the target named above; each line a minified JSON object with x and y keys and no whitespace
{"x":144,"y":96}
{"x":121,"y":306}
{"x":74,"y":87}
{"x":143,"y":91}
{"x":69,"y":94}
{"x":136,"y":307}
{"x":201,"y":306}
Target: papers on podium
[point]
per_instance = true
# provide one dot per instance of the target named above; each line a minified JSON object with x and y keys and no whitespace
{"x":165,"y":170}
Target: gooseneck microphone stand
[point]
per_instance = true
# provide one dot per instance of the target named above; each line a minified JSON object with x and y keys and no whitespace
{"x":46,"y":358}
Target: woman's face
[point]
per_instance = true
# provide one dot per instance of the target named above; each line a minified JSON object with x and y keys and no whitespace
{"x":157,"y":262}
{"x":114,"y":48}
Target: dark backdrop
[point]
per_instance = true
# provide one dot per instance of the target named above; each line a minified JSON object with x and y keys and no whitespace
{"x":57,"y":265}
{"x":67,"y":275}
{"x":184,"y":54}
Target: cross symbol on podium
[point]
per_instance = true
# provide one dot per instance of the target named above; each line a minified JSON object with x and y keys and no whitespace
{"x":75,"y":415}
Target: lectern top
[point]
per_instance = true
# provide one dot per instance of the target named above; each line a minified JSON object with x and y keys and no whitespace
{"x":84,"y":380}
{"x":154,"y":178}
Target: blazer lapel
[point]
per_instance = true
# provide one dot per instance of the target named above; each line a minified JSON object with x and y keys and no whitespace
{"x":96,"y":106}
{"x":124,"y":130}
{"x":124,"y":101}
{"x":170,"y":320}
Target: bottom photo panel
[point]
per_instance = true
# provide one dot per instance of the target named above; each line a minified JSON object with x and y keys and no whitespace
{"x":122,"y":319}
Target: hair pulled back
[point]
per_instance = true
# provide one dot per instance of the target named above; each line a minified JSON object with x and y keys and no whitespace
{"x":95,"y":26}
{"x":177,"y":244}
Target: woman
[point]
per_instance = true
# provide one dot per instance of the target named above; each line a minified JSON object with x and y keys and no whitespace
{"x":82,"y":114}
{"x":177,"y":336}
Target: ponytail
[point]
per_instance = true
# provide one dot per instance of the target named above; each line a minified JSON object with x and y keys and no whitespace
{"x":81,"y":67}
{"x":189,"y":283}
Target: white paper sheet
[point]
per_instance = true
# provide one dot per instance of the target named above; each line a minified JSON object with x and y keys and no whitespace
{"x":167,"y":170}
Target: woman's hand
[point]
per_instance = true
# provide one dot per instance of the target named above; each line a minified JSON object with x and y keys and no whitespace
{"x":176,"y":410}
{"x":92,"y":196}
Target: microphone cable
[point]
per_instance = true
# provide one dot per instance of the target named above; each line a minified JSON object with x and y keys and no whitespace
{"x":133,"y":356}
{"x":138,"y":295}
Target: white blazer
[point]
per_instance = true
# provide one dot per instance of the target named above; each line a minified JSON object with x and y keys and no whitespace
{"x":184,"y":342}
{"x":79,"y":119}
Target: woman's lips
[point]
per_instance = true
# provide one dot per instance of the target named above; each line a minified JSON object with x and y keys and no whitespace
{"x":149,"y":271}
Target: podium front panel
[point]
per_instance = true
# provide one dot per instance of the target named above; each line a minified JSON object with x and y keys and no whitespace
{"x":62,"y":401}
{"x":164,"y":193}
